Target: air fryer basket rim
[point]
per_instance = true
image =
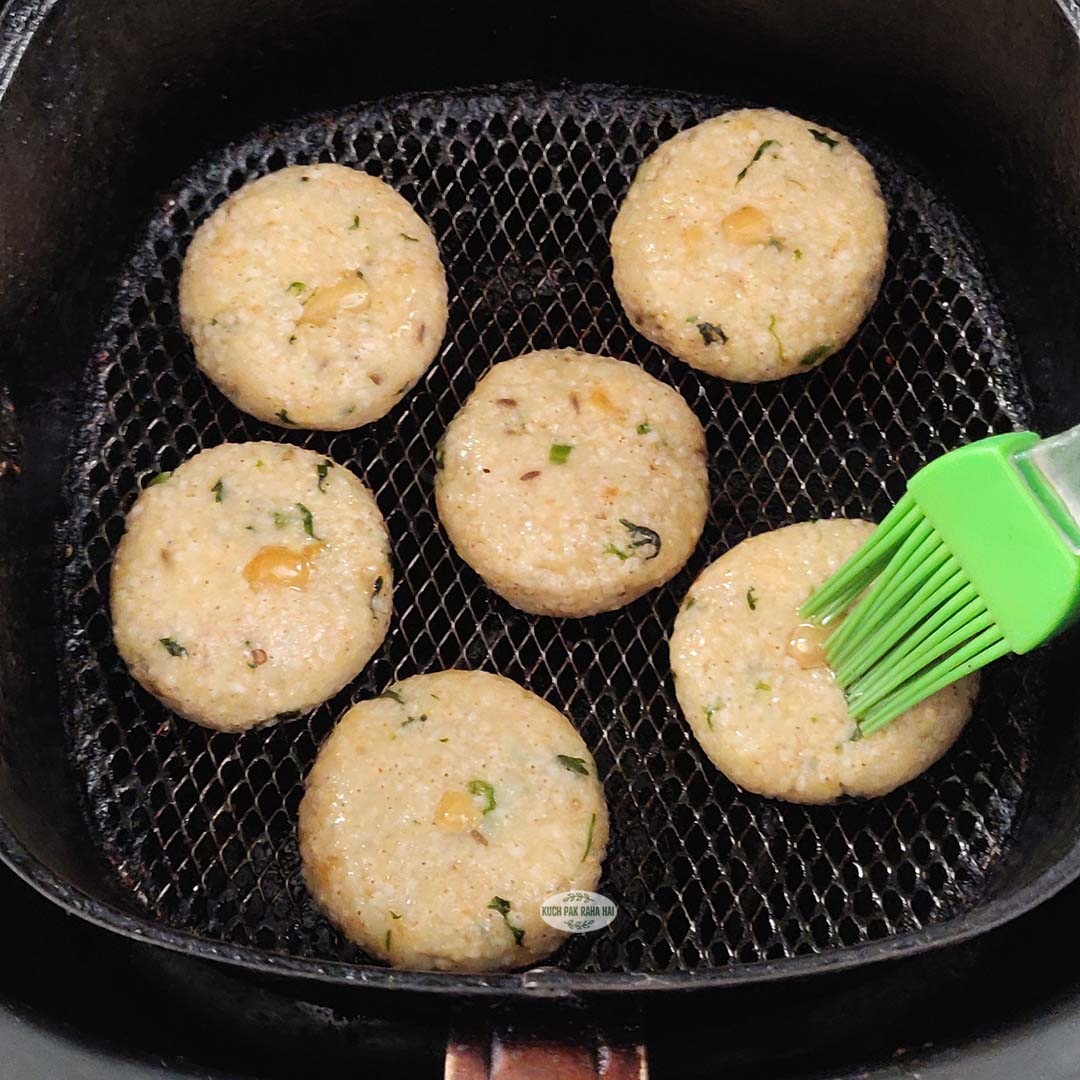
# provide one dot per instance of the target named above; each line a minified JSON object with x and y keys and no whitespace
{"x":18,"y":25}
{"x":541,"y":982}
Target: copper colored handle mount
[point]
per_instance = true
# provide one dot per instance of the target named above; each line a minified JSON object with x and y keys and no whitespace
{"x":586,"y":1054}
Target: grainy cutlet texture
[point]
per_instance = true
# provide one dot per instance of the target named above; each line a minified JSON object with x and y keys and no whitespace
{"x":314,"y":297}
{"x":251,"y":583}
{"x":573,"y":483}
{"x":749,"y":246}
{"x":439,"y":816}
{"x":769,"y":716}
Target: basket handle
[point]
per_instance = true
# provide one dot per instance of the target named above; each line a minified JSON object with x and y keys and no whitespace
{"x":575,"y":1052}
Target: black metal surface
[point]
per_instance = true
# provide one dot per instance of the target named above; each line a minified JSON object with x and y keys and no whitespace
{"x":77,"y":1001}
{"x":521,"y":188}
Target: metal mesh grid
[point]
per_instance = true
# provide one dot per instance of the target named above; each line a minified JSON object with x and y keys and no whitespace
{"x":521,"y":187}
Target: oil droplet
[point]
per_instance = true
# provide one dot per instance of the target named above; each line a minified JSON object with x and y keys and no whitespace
{"x":349,"y":294}
{"x":692,"y":237}
{"x":457,"y":812}
{"x":745,"y":226}
{"x":598,"y":396}
{"x":806,"y":645}
{"x":280,"y":567}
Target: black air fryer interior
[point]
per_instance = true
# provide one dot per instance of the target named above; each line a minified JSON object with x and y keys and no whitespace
{"x":150,"y":819}
{"x":521,"y":188}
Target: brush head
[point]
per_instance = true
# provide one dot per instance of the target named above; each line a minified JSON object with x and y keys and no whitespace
{"x":968,"y":565}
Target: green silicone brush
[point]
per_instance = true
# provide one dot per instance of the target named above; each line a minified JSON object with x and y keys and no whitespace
{"x":981,"y":557}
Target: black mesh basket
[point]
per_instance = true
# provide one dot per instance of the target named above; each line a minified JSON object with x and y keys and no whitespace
{"x":521,"y":187}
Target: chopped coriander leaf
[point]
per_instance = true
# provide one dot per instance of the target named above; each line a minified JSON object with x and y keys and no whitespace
{"x":689,"y":603}
{"x":710,"y":711}
{"x":503,"y":908}
{"x":776,"y":337}
{"x":259,"y":464}
{"x":711,"y":333}
{"x":421,"y":719}
{"x":280,"y":519}
{"x":355,"y":223}
{"x":751,"y":598}
{"x":588,"y":837}
{"x":413,"y":239}
{"x":292,"y":340}
{"x":822,"y":137}
{"x":393,"y":695}
{"x":482,"y":789}
{"x":447,"y":739}
{"x":308,"y":520}
{"x":321,"y":470}
{"x":440,"y":455}
{"x":296,"y":288}
{"x":816,"y":354}
{"x":642,"y":536}
{"x":574,"y":764}
{"x":160,"y":478}
{"x":691,"y":318}
{"x":394,"y":914}
{"x":611,"y":549}
{"x":173,"y":647}
{"x":213,"y":322}
{"x":644,"y":428}
{"x":761,"y":685}
{"x":857,"y":735}
{"x":283,"y":416}
{"x":776,"y":243}
{"x":797,"y":253}
{"x":559,"y":453}
{"x":219,"y":491}
{"x":757,"y":157}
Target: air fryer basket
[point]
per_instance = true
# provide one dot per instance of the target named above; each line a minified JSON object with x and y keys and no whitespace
{"x":187,"y":838}
{"x":521,"y":189}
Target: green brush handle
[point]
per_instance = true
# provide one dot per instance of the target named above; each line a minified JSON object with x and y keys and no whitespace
{"x":979,"y":558}
{"x":1001,"y":506}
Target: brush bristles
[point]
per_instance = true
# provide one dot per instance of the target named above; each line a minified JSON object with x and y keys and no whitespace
{"x":920,"y":626}
{"x":979,"y":651}
{"x":884,"y":595}
{"x":848,"y":583}
{"x":956,"y":622}
{"x":931,"y":592}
